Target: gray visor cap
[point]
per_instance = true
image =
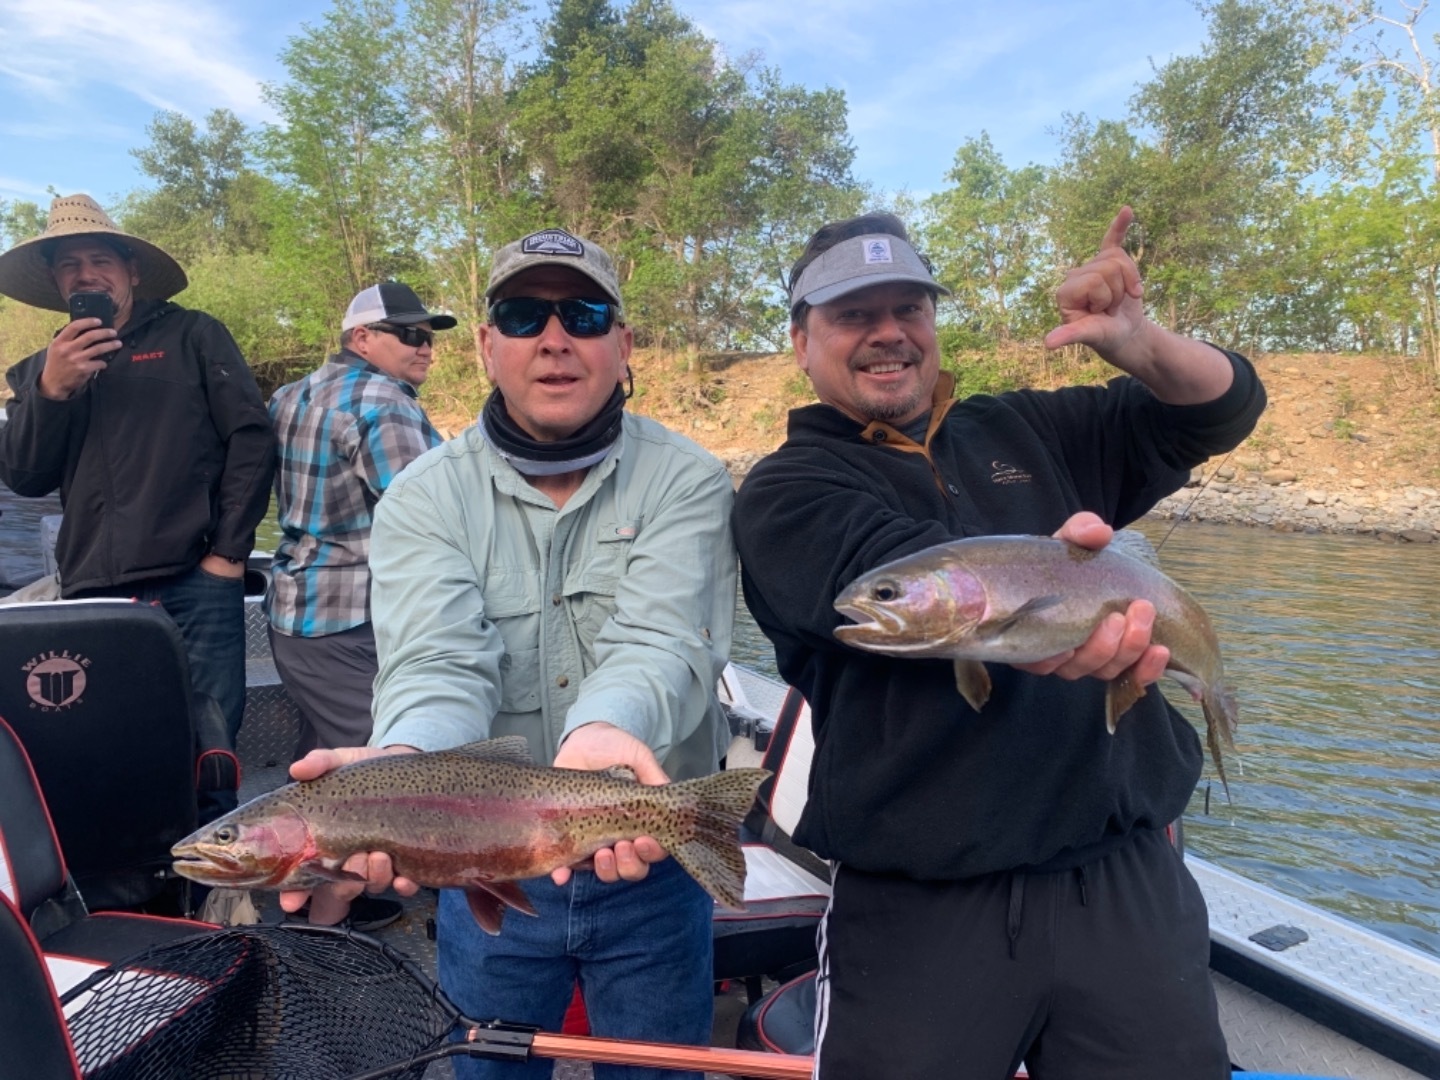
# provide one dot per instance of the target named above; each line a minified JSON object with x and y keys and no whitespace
{"x":859,"y":263}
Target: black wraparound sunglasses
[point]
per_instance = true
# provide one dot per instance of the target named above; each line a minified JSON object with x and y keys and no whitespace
{"x":526,"y":316}
{"x":413,"y":336}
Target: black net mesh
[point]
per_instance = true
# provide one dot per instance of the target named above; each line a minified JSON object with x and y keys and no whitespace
{"x":256,"y":1003}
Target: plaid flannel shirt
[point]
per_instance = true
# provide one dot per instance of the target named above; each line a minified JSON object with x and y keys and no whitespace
{"x":345,"y":432}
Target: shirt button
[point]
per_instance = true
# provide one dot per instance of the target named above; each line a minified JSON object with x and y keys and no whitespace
{"x":953,"y":489}
{"x":555,"y":599}
{"x":562,"y":682}
{"x":879,"y":436}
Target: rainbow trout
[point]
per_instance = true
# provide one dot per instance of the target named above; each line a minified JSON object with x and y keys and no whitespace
{"x":478,"y":817}
{"x":1018,"y":599}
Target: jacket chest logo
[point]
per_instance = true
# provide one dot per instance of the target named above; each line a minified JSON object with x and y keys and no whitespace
{"x":158,"y":354}
{"x":1008,"y":474}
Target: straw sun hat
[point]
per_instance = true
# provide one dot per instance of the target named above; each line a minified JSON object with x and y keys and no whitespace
{"x":25,"y":270}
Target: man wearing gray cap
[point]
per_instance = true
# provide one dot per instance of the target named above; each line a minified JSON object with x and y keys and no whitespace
{"x":1004,"y":884}
{"x":562,"y":570}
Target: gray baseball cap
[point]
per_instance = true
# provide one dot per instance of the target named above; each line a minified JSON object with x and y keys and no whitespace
{"x":858,"y":263}
{"x":553,"y":247}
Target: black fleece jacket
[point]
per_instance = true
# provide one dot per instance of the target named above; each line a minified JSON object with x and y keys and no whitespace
{"x":164,"y":456}
{"x":907,"y":778}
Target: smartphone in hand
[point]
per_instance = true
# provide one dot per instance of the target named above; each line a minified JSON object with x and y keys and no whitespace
{"x":93,"y":305}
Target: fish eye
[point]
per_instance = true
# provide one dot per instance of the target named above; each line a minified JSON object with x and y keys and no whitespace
{"x":227,"y":834}
{"x":886,"y":591}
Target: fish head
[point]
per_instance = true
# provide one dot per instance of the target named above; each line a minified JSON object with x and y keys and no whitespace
{"x":916,"y":606}
{"x":246,"y":849}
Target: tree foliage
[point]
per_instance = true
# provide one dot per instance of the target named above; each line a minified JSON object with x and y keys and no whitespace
{"x":1285,"y":178}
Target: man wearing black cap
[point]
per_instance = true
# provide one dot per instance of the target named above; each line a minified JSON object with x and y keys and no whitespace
{"x":154,"y":432}
{"x":1004,"y":885}
{"x":345,"y":432}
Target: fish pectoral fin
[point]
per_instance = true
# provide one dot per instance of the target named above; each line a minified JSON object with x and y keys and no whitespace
{"x":489,"y":899}
{"x":1121,"y":693}
{"x":1001,"y":623}
{"x":973,"y":682}
{"x":511,"y":749}
{"x":332,"y":873}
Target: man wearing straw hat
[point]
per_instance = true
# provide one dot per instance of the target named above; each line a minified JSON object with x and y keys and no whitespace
{"x":154,"y":432}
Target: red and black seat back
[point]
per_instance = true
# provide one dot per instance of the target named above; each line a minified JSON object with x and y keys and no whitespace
{"x":34,"y":1041}
{"x":32,"y":869}
{"x":98,"y":694}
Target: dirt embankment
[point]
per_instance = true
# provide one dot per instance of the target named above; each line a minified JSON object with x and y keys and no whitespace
{"x":1348,"y":444}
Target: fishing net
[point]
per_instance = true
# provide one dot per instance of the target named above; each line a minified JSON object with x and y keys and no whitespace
{"x":257,"y":1003}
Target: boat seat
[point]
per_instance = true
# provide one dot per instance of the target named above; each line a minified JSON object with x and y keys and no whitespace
{"x":783,"y":1021}
{"x":34,"y":878}
{"x":787,"y":889}
{"x":99,"y":695}
{"x":33,"y":1038}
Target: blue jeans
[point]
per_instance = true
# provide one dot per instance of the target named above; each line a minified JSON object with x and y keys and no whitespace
{"x":209,"y":612}
{"x":641,"y":951}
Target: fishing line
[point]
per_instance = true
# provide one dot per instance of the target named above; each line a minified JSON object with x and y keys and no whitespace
{"x":1198,"y":492}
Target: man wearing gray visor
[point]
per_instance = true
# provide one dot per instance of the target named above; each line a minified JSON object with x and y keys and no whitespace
{"x":1004,"y":886}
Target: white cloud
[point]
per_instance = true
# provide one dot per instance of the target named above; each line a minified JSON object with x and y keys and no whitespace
{"x":11,"y":188}
{"x":171,"y":54}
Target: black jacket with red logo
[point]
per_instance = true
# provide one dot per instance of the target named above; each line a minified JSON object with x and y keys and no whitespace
{"x":165,"y":455}
{"x":907,"y":778}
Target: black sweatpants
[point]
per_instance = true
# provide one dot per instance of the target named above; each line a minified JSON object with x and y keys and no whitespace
{"x":1100,"y":972}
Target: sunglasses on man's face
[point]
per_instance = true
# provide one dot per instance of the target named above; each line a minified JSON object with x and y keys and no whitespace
{"x":413,"y":336}
{"x":526,"y":316}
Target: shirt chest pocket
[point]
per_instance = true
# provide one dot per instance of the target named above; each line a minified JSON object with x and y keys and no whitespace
{"x":512,"y":604}
{"x":592,"y":579}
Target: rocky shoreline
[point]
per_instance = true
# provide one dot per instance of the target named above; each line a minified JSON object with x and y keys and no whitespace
{"x":1245,"y":492}
{"x":1250,"y":491}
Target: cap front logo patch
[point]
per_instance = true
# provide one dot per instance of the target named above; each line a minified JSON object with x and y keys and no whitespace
{"x":878,"y":251}
{"x":552,"y":242}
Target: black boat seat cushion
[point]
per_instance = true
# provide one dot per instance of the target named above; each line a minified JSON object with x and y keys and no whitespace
{"x":34,"y":879}
{"x":34,"y":1041}
{"x":783,"y":1021}
{"x":98,"y":692}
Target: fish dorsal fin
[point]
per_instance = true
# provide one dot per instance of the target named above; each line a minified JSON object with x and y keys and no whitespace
{"x":510,"y":749}
{"x":1137,"y":545}
{"x":1001,"y":623}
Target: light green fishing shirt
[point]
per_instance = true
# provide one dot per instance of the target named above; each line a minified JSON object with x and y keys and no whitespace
{"x":497,"y":614}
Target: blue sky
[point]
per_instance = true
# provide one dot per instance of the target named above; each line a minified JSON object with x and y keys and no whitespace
{"x":79,"y":80}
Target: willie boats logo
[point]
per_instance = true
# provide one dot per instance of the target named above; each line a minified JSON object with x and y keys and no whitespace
{"x":55,"y":680}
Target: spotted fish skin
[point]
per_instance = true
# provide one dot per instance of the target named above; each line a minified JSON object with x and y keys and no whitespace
{"x":478,"y":817}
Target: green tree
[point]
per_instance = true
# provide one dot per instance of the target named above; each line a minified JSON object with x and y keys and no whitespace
{"x":1219,"y":146}
{"x":342,"y":155}
{"x":471,"y":188}
{"x":987,"y":234}
{"x":207,"y":196}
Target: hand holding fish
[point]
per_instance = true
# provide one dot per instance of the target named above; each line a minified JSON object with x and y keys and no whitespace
{"x":1121,"y":642}
{"x":329,"y":903}
{"x":603,"y":746}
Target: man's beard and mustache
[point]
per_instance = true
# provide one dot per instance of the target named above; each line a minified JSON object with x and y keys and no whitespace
{"x":888,"y":409}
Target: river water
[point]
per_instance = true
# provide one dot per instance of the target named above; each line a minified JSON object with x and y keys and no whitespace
{"x":1332,"y":646}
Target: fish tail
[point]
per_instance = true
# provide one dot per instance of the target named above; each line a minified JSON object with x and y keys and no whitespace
{"x":710,"y":850}
{"x":1221,"y":718}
